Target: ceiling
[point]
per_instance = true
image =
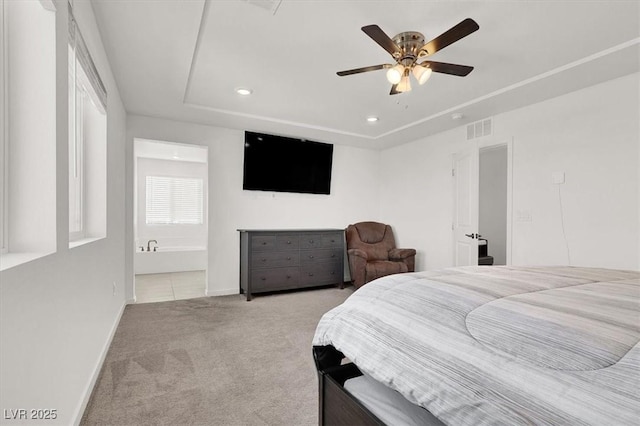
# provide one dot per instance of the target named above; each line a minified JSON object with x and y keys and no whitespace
{"x":183,"y":60}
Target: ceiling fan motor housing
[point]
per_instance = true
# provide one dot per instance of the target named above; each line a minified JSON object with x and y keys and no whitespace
{"x":410,"y":42}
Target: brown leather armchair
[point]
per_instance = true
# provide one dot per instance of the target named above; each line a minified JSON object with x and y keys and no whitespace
{"x":372,"y":253}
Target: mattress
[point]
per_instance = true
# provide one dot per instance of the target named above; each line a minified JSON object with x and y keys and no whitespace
{"x":387,"y":404}
{"x":500,"y":345}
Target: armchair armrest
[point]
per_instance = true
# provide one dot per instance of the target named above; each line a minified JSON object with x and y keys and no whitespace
{"x":407,"y":256}
{"x":357,"y":266}
{"x":358,"y":252}
{"x":401,"y":254}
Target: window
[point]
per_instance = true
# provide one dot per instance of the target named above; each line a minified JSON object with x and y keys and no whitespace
{"x":174,"y":200}
{"x":87,"y":142}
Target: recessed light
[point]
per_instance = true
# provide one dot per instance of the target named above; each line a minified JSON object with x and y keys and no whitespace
{"x":243,"y":91}
{"x":457,"y":115}
{"x":372,"y":119}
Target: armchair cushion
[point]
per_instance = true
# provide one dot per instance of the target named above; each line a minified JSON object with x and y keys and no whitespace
{"x":380,"y":268}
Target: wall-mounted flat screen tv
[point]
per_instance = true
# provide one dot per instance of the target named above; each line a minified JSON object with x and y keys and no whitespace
{"x":277,"y":163}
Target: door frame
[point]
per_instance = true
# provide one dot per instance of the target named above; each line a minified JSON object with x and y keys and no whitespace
{"x":481,"y":144}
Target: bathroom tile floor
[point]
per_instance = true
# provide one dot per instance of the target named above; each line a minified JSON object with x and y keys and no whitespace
{"x":170,"y":286}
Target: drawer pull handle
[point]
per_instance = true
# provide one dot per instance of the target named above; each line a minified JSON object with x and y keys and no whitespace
{"x":263,"y":279}
{"x":311,"y":241}
{"x":288,"y":276}
{"x":333,"y":241}
{"x":333,"y":255}
{"x":264,"y":260}
{"x":264,"y":243}
{"x":289,"y":258}
{"x":310,"y":256}
{"x":288,"y":242}
{"x":310,"y":274}
{"x":333,"y":273}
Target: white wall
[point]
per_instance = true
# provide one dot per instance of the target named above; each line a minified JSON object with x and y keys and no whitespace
{"x":31,"y":63}
{"x":592,"y":135}
{"x":354,"y":194}
{"x":57,"y":313}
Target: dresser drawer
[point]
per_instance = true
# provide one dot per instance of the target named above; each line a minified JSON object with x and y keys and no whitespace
{"x":320,"y":255}
{"x":263,"y":242}
{"x":274,"y":259}
{"x":322,"y":273}
{"x":332,"y":240}
{"x":275,"y":279}
{"x":287,"y":242}
{"x":310,"y":241}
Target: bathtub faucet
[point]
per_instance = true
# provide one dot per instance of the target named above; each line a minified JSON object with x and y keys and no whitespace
{"x":149,"y":245}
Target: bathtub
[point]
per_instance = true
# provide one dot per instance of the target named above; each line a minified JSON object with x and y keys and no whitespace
{"x":170,"y":259}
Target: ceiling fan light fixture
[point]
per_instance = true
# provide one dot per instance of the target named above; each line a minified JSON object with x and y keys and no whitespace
{"x":422,"y":74}
{"x":394,"y":75}
{"x":405,"y":84}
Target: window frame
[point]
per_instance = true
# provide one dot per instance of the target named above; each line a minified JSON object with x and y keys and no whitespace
{"x":86,"y":90}
{"x":76,"y":159}
{"x":4,"y":136}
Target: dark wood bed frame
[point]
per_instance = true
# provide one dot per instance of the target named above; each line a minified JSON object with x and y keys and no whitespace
{"x":337,"y":405}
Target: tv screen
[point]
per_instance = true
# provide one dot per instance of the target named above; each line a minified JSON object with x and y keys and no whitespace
{"x":276,"y":163}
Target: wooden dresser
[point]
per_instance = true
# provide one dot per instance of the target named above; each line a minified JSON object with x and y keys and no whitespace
{"x":272,"y":260}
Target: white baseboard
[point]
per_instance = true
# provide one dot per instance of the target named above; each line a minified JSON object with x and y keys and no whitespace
{"x":96,"y":372}
{"x":223,"y":292}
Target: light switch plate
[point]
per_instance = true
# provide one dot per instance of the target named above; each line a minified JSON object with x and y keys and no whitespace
{"x":524,"y":216}
{"x":557,"y":178}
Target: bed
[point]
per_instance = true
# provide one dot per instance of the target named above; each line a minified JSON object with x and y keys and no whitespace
{"x":485,"y":345}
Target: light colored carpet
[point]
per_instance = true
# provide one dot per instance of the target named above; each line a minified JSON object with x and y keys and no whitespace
{"x":214,"y":361}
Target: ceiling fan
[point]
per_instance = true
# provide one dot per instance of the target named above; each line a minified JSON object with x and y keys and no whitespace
{"x":407,"y":47}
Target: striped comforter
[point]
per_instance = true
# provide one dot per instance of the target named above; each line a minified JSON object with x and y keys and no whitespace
{"x":500,"y":345}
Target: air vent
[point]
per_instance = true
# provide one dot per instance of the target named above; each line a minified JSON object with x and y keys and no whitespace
{"x":270,"y":5}
{"x":479,"y":129}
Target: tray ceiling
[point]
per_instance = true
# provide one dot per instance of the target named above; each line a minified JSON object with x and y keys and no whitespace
{"x":183,"y":60}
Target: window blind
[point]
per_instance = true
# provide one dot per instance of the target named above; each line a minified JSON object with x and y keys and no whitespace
{"x":174,"y":200}
{"x":84,"y":58}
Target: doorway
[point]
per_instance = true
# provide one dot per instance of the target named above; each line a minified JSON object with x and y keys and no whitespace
{"x":492,"y":205}
{"x":482,"y":204}
{"x":170,"y":220}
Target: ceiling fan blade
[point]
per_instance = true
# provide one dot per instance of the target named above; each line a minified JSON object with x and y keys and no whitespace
{"x":363,"y":69}
{"x":450,"y":36}
{"x":394,"y":90}
{"x":443,"y":67}
{"x":380,"y":37}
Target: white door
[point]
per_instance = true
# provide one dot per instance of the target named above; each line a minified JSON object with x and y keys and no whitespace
{"x":465,"y":213}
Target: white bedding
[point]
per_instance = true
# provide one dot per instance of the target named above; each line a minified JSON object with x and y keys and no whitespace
{"x":500,"y":345}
